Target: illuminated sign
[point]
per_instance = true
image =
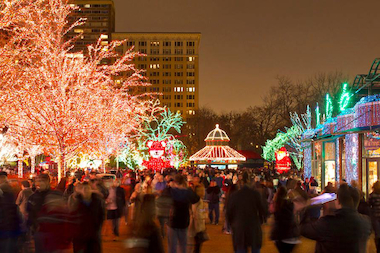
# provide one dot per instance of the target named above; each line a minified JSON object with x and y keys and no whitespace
{"x":283,"y":162}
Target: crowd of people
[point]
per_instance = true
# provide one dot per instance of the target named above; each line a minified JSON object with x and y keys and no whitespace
{"x":82,"y":210}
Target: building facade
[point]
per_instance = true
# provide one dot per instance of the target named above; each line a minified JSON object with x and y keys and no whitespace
{"x":171,"y":64}
{"x":346,"y":147}
{"x":100,"y":22}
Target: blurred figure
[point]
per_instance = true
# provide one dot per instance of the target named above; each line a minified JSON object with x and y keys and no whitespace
{"x":163,"y":206}
{"x":199,"y":216}
{"x":10,"y":219}
{"x":48,"y":217}
{"x":374,"y":202}
{"x":245,"y":214}
{"x":213,"y":192}
{"x":136,"y":200}
{"x":179,"y":220}
{"x":22,"y":198}
{"x":284,"y":231}
{"x":160,"y":184}
{"x":115,"y":206}
{"x":144,"y":235}
{"x":88,"y":212}
{"x":344,"y":231}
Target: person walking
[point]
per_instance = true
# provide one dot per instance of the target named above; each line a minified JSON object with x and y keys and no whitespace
{"x":198,"y":221}
{"x":374,"y":203}
{"x":22,"y":198}
{"x":284,"y":231}
{"x":179,"y":220}
{"x":115,"y":206}
{"x":344,"y":231}
{"x":48,"y":217}
{"x":143,"y":234}
{"x":245,"y":214}
{"x":163,"y":205}
{"x":10,"y":220}
{"x":213,"y":192}
{"x":88,"y":211}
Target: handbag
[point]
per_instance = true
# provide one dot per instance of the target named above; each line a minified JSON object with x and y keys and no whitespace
{"x":201,"y":237}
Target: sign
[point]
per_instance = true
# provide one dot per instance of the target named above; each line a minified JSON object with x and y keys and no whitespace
{"x":283,"y":162}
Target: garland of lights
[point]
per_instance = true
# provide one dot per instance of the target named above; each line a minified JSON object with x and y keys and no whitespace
{"x":57,"y":99}
{"x":329,"y":107}
{"x":344,"y":98}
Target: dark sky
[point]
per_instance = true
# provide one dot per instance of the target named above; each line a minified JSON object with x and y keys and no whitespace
{"x":245,"y":44}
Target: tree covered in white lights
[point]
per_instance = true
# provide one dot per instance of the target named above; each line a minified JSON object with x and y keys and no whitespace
{"x":62,"y":101}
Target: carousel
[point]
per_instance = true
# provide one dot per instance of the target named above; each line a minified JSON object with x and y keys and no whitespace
{"x":217,"y":153}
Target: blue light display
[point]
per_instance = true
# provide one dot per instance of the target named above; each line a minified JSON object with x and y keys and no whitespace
{"x":307,"y":159}
{"x":352,"y":157}
{"x":337,"y":165}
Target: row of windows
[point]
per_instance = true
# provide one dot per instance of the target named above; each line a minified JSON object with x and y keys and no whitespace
{"x":180,"y":97}
{"x":166,"y":51}
{"x":79,"y":11}
{"x":164,"y":43}
{"x":166,"y":81}
{"x":91,"y":5}
{"x":143,"y":58}
{"x":177,"y":104}
{"x":90,"y":30}
{"x":166,"y":66}
{"x":177,"y":74}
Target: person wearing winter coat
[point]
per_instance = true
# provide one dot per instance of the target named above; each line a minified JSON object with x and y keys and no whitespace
{"x":284,"y":231}
{"x":245,"y":214}
{"x":213,"y":193}
{"x":88,"y":212}
{"x":198,"y":219}
{"x":344,"y":231}
{"x":179,"y":220}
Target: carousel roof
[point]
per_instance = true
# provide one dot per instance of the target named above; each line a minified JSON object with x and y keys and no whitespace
{"x":215,"y":152}
{"x":217,"y":135}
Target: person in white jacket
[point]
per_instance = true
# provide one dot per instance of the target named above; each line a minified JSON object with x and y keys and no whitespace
{"x":198,"y":219}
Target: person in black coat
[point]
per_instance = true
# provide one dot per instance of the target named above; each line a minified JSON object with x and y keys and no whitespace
{"x":344,"y":231}
{"x":179,"y":219}
{"x":284,"y":231}
{"x":88,"y":213}
{"x":245,"y":214}
{"x":213,"y":192}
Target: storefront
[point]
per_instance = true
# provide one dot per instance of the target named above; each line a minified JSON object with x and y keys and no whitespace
{"x":347,"y":147}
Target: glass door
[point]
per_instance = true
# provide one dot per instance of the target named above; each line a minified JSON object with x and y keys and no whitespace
{"x":372,"y":173}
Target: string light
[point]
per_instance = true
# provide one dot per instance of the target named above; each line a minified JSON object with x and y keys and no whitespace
{"x":217,"y":149}
{"x":64,"y":103}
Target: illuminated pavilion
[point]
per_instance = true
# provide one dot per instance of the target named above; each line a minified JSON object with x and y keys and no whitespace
{"x":217,"y":153}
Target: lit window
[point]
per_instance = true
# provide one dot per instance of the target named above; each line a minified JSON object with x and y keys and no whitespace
{"x":104,"y":36}
{"x":104,"y":43}
{"x":72,"y":5}
{"x":87,"y":6}
{"x":191,"y":58}
{"x":78,"y":30}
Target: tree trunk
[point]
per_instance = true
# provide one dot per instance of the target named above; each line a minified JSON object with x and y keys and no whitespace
{"x":104,"y":165}
{"x":117,"y":162}
{"x":20,"y":167}
{"x":32,"y":164}
{"x":61,"y":164}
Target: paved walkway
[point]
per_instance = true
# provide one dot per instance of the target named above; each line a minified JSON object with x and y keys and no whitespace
{"x":222,"y":243}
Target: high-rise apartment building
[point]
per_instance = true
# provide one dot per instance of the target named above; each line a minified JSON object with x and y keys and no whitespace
{"x":100,"y":22}
{"x":172,"y":66}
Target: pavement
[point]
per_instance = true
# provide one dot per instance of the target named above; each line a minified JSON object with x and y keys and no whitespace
{"x":220,"y":242}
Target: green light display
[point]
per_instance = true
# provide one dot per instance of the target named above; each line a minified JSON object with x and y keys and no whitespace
{"x":317,"y":115}
{"x":344,"y":98}
{"x":329,"y":106}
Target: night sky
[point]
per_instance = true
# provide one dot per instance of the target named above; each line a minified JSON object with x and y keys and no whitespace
{"x":245,"y":44}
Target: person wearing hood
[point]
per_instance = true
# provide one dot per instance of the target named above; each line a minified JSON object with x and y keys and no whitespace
{"x":179,"y":219}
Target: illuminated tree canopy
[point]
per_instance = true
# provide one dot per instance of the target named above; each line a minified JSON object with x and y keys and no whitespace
{"x":62,"y":101}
